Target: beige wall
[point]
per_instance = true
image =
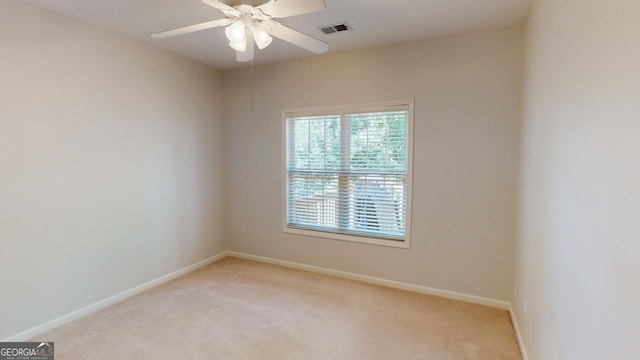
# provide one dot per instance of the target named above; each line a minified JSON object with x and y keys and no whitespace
{"x":110,"y":165}
{"x":112,"y":161}
{"x":467,"y":92}
{"x":578,"y":257}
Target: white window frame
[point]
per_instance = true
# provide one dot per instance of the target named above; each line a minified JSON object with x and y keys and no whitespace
{"x":347,"y":109}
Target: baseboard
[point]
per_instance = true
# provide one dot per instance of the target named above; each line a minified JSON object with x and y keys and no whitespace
{"x":65,"y":319}
{"x":377,"y":281}
{"x":50,"y":325}
{"x":516,"y":328}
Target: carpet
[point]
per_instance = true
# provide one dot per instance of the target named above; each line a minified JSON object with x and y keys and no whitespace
{"x":239,"y":309}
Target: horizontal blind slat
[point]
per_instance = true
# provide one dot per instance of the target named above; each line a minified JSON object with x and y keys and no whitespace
{"x":361,"y":193}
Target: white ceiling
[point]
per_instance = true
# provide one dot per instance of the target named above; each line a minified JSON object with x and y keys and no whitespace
{"x":375,"y":23}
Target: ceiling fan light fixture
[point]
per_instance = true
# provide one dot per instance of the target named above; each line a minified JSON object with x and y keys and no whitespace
{"x":261,"y":37}
{"x":236,"y":32}
{"x":240,"y":46}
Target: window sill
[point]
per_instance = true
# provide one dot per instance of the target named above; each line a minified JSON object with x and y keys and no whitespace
{"x":402,"y":244}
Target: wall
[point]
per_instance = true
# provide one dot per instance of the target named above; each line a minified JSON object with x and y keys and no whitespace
{"x":110,"y":165}
{"x":578,"y":254}
{"x":467,"y":92}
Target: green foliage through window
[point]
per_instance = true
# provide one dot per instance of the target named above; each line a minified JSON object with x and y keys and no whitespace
{"x":347,"y":173}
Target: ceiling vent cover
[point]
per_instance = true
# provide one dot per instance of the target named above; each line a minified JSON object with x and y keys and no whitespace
{"x":336,"y":28}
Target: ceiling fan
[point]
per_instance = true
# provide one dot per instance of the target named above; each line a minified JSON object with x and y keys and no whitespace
{"x":246,"y":24}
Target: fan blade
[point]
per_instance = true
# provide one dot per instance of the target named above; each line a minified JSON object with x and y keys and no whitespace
{"x":192,"y":28}
{"x":297,"y":38}
{"x":286,"y":8}
{"x":228,"y":10}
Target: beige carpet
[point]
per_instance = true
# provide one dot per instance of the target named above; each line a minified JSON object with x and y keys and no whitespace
{"x":238,"y":309}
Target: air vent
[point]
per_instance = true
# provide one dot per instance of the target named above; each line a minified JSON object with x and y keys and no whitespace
{"x":330,"y":29}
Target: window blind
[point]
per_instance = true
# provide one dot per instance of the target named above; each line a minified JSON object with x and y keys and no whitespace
{"x":347,"y":173}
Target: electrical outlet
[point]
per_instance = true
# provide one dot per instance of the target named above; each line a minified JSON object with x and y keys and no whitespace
{"x":526,"y":310}
{"x":261,"y":237}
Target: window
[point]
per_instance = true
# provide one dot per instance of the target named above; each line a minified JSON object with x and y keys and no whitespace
{"x":348,"y":172}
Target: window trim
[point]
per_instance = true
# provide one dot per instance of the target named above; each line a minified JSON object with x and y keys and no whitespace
{"x":341,"y":110}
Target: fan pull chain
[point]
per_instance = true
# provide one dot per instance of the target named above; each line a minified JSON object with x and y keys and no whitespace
{"x":251,"y":85}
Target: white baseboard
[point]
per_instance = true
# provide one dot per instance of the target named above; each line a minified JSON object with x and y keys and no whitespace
{"x":504,"y":305}
{"x":516,"y":328}
{"x":65,"y":319}
{"x":50,"y":325}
